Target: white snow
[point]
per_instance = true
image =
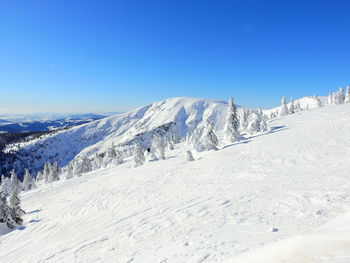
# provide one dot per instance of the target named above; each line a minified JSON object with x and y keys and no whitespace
{"x":223,"y":205}
{"x":328,"y":244}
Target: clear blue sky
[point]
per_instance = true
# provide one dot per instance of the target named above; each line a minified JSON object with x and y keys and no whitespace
{"x":95,"y":56}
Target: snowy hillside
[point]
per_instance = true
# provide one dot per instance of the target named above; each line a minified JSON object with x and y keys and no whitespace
{"x":269,"y":187}
{"x":172,"y":117}
{"x":181,"y":115}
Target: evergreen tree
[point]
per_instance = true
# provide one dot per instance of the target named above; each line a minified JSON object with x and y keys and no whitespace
{"x":139,"y":156}
{"x":291,"y":107}
{"x":158,"y":145}
{"x":5,"y":211}
{"x":284,"y":109}
{"x":15,"y":182}
{"x":319,"y":102}
{"x":47,"y":172}
{"x":330,"y":99}
{"x":6,"y":185}
{"x":15,"y":206}
{"x":244,"y":119}
{"x":232,"y":123}
{"x":39,"y":176}
{"x":28,"y":181}
{"x":254,"y":123}
{"x":85,"y":165}
{"x":210,"y":139}
{"x":347,"y":95}
{"x":69,"y":173}
{"x":97,"y":161}
{"x":189,"y":156}
{"x":196,"y":138}
{"x":54,"y":173}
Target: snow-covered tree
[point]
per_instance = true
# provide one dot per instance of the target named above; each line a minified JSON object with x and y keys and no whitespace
{"x":244,"y":119}
{"x":263,"y":125}
{"x":69,"y":172}
{"x":210,"y":139}
{"x":139,"y":156}
{"x":158,"y":146}
{"x":341,"y":97}
{"x":254,"y":123}
{"x":196,"y":139}
{"x":113,"y":157}
{"x":284,"y":107}
{"x":347,"y":95}
{"x":16,"y":184}
{"x":97,"y":161}
{"x":54,"y":172}
{"x":39,"y":176}
{"x":47,"y":172}
{"x":330,"y":99}
{"x":83,"y":166}
{"x":291,"y":107}
{"x":28,"y":181}
{"x":6,"y":185}
{"x":319,"y":102}
{"x":5,"y":211}
{"x":232,"y":123}
{"x":189,"y":156}
{"x":15,"y":206}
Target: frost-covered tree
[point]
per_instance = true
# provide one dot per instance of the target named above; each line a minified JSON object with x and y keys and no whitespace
{"x":97,"y":161}
{"x":47,"y":172}
{"x":53,"y":173}
{"x":189,"y":156}
{"x":284,"y":107}
{"x":330,"y":100}
{"x":210,"y":139}
{"x":338,"y":97}
{"x":69,"y":172}
{"x":244,"y":119}
{"x":39,"y":176}
{"x":6,"y":185}
{"x":85,"y":165}
{"x":232,"y":123}
{"x":158,"y":146}
{"x":291,"y":107}
{"x":139,"y":156}
{"x":347,"y":95}
{"x":16,"y":184}
{"x":15,"y":206}
{"x":263,"y":125}
{"x":196,"y":139}
{"x":318,"y":100}
{"x":254,"y":123}
{"x":5,"y":211}
{"x":113,"y":157}
{"x":28,"y":181}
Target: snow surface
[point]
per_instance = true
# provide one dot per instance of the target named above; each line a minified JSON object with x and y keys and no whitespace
{"x":228,"y":202}
{"x":328,"y":244}
{"x":99,"y":135}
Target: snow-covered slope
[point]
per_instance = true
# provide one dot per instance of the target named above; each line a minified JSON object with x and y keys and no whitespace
{"x":181,"y":114}
{"x":328,"y":244}
{"x":227,"y":202}
{"x":305,"y":103}
{"x":176,"y":115}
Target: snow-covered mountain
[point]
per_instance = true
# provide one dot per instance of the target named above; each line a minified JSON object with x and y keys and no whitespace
{"x":267,"y":188}
{"x":175,"y":116}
